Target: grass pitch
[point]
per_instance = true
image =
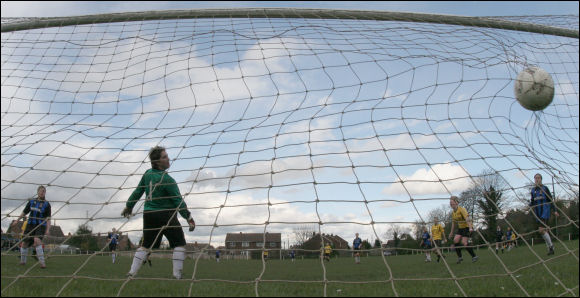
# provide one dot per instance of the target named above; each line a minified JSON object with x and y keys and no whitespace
{"x":411,"y":276}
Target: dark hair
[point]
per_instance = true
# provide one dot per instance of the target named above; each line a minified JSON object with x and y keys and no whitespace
{"x":538,"y":174}
{"x":455,"y":198}
{"x":155,"y":155}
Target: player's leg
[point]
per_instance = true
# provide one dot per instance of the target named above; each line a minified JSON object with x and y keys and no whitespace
{"x":39,"y":251}
{"x":151,"y":239}
{"x":546,"y":235}
{"x":469,"y":249}
{"x":176,"y":238}
{"x":27,"y":242}
{"x":457,"y":246}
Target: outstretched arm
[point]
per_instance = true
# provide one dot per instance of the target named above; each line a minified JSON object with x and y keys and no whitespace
{"x":135,"y":196}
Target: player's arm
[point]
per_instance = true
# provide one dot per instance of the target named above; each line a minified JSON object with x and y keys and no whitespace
{"x":48,"y":214}
{"x":550,"y":198}
{"x":452,"y":229}
{"x":23,"y":214}
{"x":135,"y":196}
{"x":173,"y":191}
{"x":467,"y":219}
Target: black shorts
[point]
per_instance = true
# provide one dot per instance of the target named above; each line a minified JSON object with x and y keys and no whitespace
{"x":498,"y":240}
{"x":542,"y":223}
{"x":437,"y":242}
{"x":112,"y":246}
{"x":426,"y":246}
{"x":463,"y":232}
{"x":157,"y":224}
{"x":33,"y":231}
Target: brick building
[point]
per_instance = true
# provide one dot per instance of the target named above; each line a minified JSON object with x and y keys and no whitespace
{"x":252,"y":244}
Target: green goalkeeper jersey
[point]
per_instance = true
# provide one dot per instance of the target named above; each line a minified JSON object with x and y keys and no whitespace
{"x":161,"y":192}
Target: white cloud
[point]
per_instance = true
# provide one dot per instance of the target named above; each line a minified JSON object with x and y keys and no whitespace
{"x":425,"y":181}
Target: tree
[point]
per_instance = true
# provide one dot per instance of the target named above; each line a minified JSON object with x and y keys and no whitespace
{"x":377,"y":243}
{"x":302,"y":233}
{"x":418,"y":228}
{"x":490,"y":204}
{"x":468,"y":200}
{"x":366,"y":245}
{"x":485,"y":196}
{"x":394,"y":232}
{"x":84,"y":239}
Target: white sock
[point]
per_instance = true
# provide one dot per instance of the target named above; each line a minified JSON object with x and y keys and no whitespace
{"x":547,"y":238}
{"x":138,"y":259}
{"x":23,"y":254}
{"x":40,"y":254}
{"x":114,"y":257}
{"x":178,"y":258}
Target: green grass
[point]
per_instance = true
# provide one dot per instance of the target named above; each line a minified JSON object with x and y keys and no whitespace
{"x":412,"y":277}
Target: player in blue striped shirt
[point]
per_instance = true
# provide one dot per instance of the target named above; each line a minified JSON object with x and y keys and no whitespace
{"x":357,"y":245}
{"x":113,"y":241}
{"x":426,"y":244}
{"x":38,"y":225}
{"x":542,"y":206}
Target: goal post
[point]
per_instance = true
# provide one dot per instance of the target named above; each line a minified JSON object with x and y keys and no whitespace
{"x":279,"y":119}
{"x":302,"y":13}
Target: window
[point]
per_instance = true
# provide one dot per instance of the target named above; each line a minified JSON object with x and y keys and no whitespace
{"x":272,"y":244}
{"x":231,"y":244}
{"x":245,"y":244}
{"x":259,"y":244}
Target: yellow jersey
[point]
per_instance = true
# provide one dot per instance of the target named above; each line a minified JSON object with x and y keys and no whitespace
{"x":514,"y":236}
{"x":327,"y":249}
{"x":460,"y":217}
{"x":437,"y":232}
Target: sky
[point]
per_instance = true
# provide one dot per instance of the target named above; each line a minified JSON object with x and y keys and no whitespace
{"x":242,"y":106}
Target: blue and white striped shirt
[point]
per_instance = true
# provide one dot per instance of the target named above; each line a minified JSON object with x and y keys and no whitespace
{"x":39,"y":211}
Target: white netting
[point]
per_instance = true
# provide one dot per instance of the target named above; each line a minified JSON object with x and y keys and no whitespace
{"x":270,"y":123}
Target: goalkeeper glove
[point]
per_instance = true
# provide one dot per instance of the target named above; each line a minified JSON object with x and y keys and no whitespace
{"x":126,"y":212}
{"x":191,"y":223}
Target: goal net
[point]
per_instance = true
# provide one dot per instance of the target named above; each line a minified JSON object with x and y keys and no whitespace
{"x":340,"y":121}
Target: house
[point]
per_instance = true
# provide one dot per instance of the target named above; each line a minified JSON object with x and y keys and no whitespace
{"x":252,"y":244}
{"x":199,"y":250}
{"x":313,"y":245}
{"x":389,"y":248}
{"x":56,"y":236}
{"x":198,"y":247}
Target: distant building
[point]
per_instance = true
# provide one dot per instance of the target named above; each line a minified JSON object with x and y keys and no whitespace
{"x":252,"y":244}
{"x":198,"y":247}
{"x":56,"y":236}
{"x":313,"y":245}
{"x":389,"y":248}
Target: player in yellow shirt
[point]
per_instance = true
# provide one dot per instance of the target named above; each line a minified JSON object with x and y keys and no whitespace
{"x":513,"y":242}
{"x":465,"y":228}
{"x":327,"y":251}
{"x":438,"y":235}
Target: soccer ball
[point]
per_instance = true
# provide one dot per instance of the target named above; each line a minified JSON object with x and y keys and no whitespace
{"x":534,"y":88}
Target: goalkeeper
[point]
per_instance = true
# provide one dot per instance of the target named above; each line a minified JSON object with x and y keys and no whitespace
{"x":163,"y":202}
